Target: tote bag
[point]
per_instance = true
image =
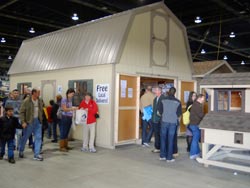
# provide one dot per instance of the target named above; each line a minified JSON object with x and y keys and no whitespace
{"x":81,"y":117}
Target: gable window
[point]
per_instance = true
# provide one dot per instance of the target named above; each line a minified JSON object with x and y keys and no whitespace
{"x":229,"y":100}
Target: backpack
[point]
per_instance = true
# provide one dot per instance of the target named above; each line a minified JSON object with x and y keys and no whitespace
{"x":59,"y":112}
{"x":186,"y":116}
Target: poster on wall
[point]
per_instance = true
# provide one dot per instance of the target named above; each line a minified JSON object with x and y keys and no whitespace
{"x":59,"y":89}
{"x":102,"y":93}
{"x":130,"y":92}
{"x":123,"y":88}
{"x":186,"y":95}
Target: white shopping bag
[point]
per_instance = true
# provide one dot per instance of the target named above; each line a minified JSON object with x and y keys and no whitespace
{"x":81,"y":117}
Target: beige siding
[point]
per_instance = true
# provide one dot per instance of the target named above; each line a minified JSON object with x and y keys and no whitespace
{"x":247,"y":101}
{"x":135,"y":58}
{"x":99,"y":74}
{"x":214,"y":136}
{"x":179,"y":61}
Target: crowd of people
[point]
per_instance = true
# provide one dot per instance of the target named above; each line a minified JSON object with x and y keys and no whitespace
{"x":161,"y":115}
{"x":26,"y":118}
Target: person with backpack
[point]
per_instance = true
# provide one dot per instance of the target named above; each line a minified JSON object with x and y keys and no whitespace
{"x":191,"y":98}
{"x":56,"y":117}
{"x":50,"y":121}
{"x":196,"y":115}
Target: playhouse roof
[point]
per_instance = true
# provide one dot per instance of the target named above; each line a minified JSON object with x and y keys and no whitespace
{"x":93,"y":43}
{"x":227,"y":79}
{"x":226,"y":121}
{"x":204,"y":68}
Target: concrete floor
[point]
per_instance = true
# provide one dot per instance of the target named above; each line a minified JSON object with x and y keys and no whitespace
{"x":130,"y":166}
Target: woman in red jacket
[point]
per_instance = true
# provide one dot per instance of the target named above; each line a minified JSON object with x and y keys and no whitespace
{"x":89,"y":129}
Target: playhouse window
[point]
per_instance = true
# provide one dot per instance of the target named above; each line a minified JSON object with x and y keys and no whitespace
{"x":229,"y":100}
{"x":81,"y":87}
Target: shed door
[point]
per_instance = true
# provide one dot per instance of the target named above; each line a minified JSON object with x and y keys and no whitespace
{"x":186,"y":87}
{"x":127,"y":117}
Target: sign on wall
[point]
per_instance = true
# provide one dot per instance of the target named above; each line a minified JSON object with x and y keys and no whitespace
{"x":102,"y":93}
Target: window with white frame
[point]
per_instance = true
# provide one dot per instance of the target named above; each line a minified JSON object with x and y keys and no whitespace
{"x":229,"y":100}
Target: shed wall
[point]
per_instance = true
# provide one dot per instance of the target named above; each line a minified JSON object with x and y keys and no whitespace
{"x":101,"y":74}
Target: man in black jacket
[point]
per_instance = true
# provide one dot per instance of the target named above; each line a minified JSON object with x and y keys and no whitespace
{"x":8,"y":126}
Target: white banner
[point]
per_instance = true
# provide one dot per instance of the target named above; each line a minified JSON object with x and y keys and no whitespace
{"x":102,"y":93}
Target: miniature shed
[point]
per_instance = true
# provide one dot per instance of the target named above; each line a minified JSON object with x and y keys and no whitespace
{"x":109,"y":57}
{"x":205,"y":68}
{"x":226,"y":128}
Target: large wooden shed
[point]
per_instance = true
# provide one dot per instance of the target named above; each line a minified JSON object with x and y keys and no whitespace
{"x":109,"y":57}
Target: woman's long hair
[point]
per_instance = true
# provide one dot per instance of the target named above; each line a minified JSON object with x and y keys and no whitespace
{"x":70,"y":90}
{"x":190,"y":100}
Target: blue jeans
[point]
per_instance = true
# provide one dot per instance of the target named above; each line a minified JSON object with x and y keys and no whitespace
{"x":10,"y":148}
{"x":49,"y":129}
{"x":36,"y":128}
{"x":19,"y":133}
{"x":65,"y":126}
{"x":176,"y":140}
{"x":167,"y":140}
{"x":55,"y":122}
{"x":195,"y":148}
{"x":146,"y":136}
{"x":157,"y":133}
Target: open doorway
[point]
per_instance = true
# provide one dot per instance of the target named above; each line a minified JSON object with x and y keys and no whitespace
{"x":164,"y":83}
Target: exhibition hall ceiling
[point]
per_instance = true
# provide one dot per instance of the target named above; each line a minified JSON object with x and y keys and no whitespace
{"x":217,"y":29}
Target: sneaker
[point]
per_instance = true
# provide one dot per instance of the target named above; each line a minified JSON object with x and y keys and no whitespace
{"x":175,"y":155}
{"x":54,"y":141}
{"x":38,"y":158}
{"x":194,"y":156}
{"x":92,"y":150}
{"x":31,"y":146}
{"x":156,"y":151}
{"x":11,"y":160}
{"x":84,"y":149}
{"x":170,"y":161}
{"x":162,"y":158}
{"x":21,"y":155}
{"x":146,"y":144}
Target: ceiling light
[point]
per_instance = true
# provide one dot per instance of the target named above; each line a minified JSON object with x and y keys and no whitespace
{"x":32,"y":30}
{"x":225,"y":57}
{"x":242,"y":62}
{"x":232,"y":35}
{"x":9,"y":58}
{"x":197,"y":20}
{"x":3,"y":40}
{"x":75,"y":17}
{"x":203,"y":51}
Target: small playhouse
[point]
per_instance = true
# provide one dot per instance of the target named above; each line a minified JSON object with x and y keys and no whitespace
{"x":225,"y":130}
{"x":110,"y":57}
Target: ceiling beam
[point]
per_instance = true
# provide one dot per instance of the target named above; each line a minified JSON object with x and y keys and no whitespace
{"x":8,"y":4}
{"x":224,"y":51}
{"x":31,"y":21}
{"x":86,"y":4}
{"x":216,"y":46}
{"x":218,"y":22}
{"x":13,"y":35}
{"x":7,"y":46}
